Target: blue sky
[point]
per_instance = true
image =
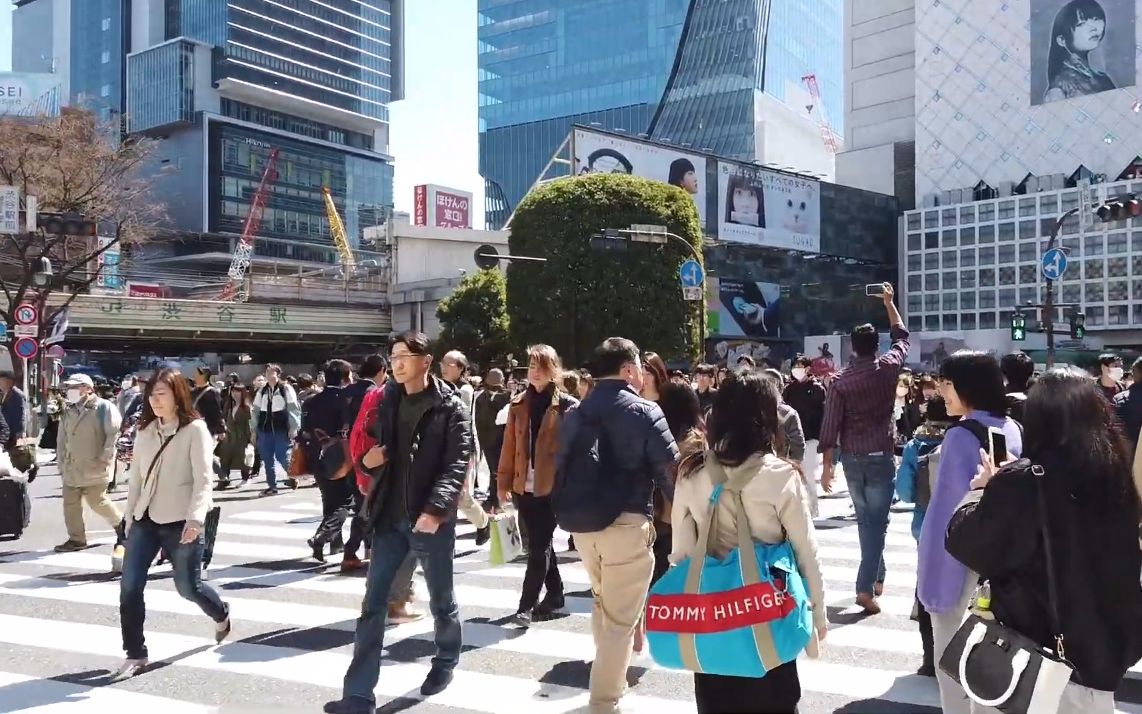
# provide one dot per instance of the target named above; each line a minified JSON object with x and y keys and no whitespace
{"x":433,"y":131}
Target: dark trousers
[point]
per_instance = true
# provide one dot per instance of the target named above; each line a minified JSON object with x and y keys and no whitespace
{"x":663,"y":540}
{"x":492,"y":456}
{"x":336,"y":507}
{"x":924,"y":619}
{"x":143,"y":544}
{"x":357,"y":525}
{"x":436,"y":553}
{"x":542,"y":565}
{"x":776,"y":693}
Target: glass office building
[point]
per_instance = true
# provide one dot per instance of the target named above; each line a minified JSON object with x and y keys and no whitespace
{"x":686,"y":72}
{"x":100,"y":39}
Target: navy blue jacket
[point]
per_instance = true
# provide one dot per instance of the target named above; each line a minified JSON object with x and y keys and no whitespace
{"x":640,"y":438}
{"x":1128,"y":404}
{"x":12,"y":409}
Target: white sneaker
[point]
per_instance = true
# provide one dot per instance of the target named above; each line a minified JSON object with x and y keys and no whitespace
{"x":129,"y":668}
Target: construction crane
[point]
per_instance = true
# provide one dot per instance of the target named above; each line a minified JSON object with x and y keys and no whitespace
{"x":827,"y":134}
{"x":337,"y":230}
{"x":236,"y":291}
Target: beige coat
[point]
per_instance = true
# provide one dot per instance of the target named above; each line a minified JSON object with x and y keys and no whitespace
{"x":178,"y":488}
{"x":85,"y":449}
{"x":776,"y":507}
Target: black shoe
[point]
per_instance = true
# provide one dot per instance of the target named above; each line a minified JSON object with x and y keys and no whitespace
{"x":549,"y":605}
{"x":483,"y":535}
{"x":521,"y":619}
{"x":337,"y":545}
{"x":222,"y":486}
{"x":318,"y":549}
{"x":270,"y":492}
{"x":436,"y":681}
{"x":927,"y":670}
{"x":348,"y":705}
{"x":291,"y":483}
{"x":32,"y":473}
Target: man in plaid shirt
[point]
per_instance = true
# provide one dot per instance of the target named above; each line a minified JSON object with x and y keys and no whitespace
{"x":858,"y":417}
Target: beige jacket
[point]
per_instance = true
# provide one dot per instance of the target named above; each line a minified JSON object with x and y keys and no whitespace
{"x":85,"y":449}
{"x":178,"y":488}
{"x":776,"y":507}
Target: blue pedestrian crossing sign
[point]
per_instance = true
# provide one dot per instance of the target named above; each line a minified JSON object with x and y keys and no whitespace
{"x":1054,"y":264}
{"x":691,"y":274}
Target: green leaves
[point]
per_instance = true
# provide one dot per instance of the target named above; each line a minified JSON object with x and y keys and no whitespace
{"x":474,"y":318}
{"x":579,"y":298}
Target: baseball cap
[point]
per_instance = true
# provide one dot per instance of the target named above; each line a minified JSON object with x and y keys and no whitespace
{"x":76,"y":380}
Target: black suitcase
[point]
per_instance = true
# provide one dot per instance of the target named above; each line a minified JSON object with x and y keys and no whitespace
{"x":15,"y":506}
{"x":209,"y":534}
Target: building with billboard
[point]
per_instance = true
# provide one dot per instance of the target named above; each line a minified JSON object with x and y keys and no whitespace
{"x":1011,"y":121}
{"x":723,"y":77}
{"x":224,"y":84}
{"x":790,"y":255}
{"x":441,"y":207}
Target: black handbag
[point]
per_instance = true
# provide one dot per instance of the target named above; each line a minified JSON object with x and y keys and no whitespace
{"x":999,"y":667}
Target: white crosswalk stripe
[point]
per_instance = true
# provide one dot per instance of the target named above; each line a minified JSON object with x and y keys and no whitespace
{"x":294,"y":621}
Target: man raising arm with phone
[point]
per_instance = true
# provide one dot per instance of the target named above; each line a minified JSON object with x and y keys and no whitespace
{"x":858,"y":417}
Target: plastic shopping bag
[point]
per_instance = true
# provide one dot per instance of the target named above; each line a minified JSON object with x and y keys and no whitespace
{"x":506,"y":544}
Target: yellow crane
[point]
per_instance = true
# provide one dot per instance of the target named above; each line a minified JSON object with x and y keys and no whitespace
{"x":337,"y":230}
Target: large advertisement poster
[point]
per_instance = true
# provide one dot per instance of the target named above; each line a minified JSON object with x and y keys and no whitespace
{"x":612,"y":154}
{"x":29,"y":94}
{"x":748,"y":309}
{"x":1081,"y":47}
{"x":767,"y":208}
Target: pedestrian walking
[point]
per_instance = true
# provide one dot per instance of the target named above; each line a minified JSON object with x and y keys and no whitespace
{"x":238,"y":435}
{"x":489,"y":434}
{"x":167,"y":502}
{"x":454,"y":370}
{"x":806,"y":395}
{"x":370,"y":376}
{"x":14,"y":410}
{"x":277,"y":418}
{"x":324,"y":435}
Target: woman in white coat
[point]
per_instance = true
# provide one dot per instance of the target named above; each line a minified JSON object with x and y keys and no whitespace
{"x":169,"y":496}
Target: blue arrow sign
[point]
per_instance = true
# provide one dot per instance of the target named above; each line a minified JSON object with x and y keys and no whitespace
{"x":691,"y":274}
{"x":3,"y":331}
{"x":1054,"y":264}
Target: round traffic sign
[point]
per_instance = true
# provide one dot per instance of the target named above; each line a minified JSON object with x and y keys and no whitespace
{"x":1054,"y":263}
{"x":691,"y":274}
{"x":27,"y":315}
{"x":26,"y":347}
{"x":56,"y":352}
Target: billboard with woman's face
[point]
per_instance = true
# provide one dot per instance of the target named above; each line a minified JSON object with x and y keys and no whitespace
{"x":1081,"y":47}
{"x":768,"y":208}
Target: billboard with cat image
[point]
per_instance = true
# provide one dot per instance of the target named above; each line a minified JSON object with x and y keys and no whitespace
{"x":768,"y":208}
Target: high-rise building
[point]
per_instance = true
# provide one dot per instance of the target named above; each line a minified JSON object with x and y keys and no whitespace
{"x":223,"y":84}
{"x":722,"y":76}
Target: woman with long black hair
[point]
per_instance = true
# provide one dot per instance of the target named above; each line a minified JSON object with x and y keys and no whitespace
{"x":1092,"y":516}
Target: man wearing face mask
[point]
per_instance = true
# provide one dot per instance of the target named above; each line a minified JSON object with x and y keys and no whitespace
{"x":1110,"y":378}
{"x":86,"y":455}
{"x":128,"y":394}
{"x":807,"y":397}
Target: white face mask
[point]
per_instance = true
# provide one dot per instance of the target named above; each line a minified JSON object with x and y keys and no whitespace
{"x":1116,"y":373}
{"x":799,"y":373}
{"x":73,"y":396}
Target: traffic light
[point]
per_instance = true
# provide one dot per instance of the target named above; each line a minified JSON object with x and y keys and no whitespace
{"x":1078,"y":326}
{"x":1120,"y":209}
{"x":66,"y":224}
{"x":1018,"y":327}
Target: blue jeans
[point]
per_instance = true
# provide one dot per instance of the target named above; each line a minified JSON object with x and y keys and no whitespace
{"x":143,"y":544}
{"x":436,"y":552}
{"x":273,"y":447}
{"x":871,"y":481}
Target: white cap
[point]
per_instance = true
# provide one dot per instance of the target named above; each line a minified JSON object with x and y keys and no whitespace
{"x":77,"y":379}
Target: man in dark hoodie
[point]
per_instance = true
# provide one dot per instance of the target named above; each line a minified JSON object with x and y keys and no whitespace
{"x":419,"y":465}
{"x":1128,"y":404}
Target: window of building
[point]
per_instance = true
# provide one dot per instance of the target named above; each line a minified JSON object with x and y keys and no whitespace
{"x":1046,"y":225}
{"x":1093,"y":245}
{"x":1072,"y":293}
{"x":950,"y":300}
{"x":106,"y":24}
{"x":967,"y":236}
{"x":1007,"y":276}
{"x":914,"y":262}
{"x":1138,"y":315}
{"x":1006,"y":232}
{"x":1029,"y":252}
{"x":967,"y":214}
{"x":986,"y":212}
{"x":950,"y":322}
{"x":913,"y":221}
{"x":967,"y":321}
{"x":949,"y":258}
{"x":986,"y":277}
{"x":1006,"y":209}
{"x":914,"y":243}
{"x":987,"y":234}
{"x":931,"y":219}
{"x":987,"y":321}
{"x":1070,"y":200}
{"x":1027,"y":295}
{"x":1093,"y":292}
{"x":915,"y":303}
{"x":1007,"y":297}
{"x":105,"y":90}
{"x":987,"y":255}
{"x":967,"y":257}
{"x":915,"y":323}
{"x":1028,"y":275}
{"x":949,"y":239}
{"x":1093,"y":269}
{"x":951,"y":280}
{"x":986,"y":299}
{"x":967,"y":278}
{"x":931,"y":302}
{"x":1049,"y":204}
{"x":1136,"y":265}
{"x":1027,"y":207}
{"x":1116,"y":267}
{"x":932,"y":322}
{"x":932,"y":281}
{"x":1095,"y":316}
{"x":1006,"y":253}
{"x":967,"y":300}
{"x":1073,"y":247}
{"x":931,"y":240}
{"x":915,"y":284}
{"x":1117,"y":290}
{"x":949,"y":216}
{"x":1136,"y":241}
{"x":105,"y":57}
{"x":1116,"y":244}
{"x":931,"y":261}
{"x":1005,"y":316}
{"x":1027,"y":229}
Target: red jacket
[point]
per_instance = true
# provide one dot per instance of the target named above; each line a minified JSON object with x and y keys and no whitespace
{"x":361,"y":437}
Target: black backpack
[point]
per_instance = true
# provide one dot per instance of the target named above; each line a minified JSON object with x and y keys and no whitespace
{"x":1015,"y":402}
{"x":928,"y":463}
{"x":589,"y":492}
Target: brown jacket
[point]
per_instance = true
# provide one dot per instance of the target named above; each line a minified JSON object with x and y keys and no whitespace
{"x":514,"y":458}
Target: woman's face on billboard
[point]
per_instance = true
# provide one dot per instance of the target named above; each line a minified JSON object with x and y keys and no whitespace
{"x":745,"y":200}
{"x":690,"y":182}
{"x":1087,"y":34}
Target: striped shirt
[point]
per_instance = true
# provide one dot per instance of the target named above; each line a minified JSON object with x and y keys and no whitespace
{"x":858,"y":407}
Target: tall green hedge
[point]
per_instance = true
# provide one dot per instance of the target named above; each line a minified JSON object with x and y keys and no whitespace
{"x":474,"y":319}
{"x":578,"y":297}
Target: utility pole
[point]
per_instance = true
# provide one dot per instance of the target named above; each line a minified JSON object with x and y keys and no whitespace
{"x":1049,"y":298}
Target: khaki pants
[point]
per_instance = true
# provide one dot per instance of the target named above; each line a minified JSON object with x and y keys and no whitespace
{"x":97,"y":500}
{"x":619,"y":563}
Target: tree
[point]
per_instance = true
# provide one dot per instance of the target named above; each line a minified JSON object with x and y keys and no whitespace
{"x":71,"y":164}
{"x":578,"y":297}
{"x":474,"y":318}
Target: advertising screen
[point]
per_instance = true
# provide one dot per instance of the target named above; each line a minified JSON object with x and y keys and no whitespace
{"x":1081,"y":47}
{"x":767,"y":208}
{"x":748,"y":309}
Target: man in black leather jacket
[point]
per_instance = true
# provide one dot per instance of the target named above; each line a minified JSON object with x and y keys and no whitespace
{"x":424,"y":441}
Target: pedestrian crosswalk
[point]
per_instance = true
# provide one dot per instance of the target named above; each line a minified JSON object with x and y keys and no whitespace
{"x":294,"y":618}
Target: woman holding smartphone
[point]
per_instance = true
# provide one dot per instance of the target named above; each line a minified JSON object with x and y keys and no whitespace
{"x":972,"y":386}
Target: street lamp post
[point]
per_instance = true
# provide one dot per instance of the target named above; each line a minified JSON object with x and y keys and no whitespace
{"x":42,"y":282}
{"x":1049,"y":298}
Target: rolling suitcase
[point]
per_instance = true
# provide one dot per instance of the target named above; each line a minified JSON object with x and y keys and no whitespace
{"x":15,"y":506}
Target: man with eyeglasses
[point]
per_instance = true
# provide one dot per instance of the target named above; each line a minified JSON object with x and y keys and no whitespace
{"x":419,"y":466}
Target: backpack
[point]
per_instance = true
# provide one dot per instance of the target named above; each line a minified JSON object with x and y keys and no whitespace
{"x":1015,"y":402}
{"x":589,"y":493}
{"x":928,"y":463}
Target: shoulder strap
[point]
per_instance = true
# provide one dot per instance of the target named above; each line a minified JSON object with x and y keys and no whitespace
{"x":751,"y":571}
{"x":977,"y":429}
{"x":162,"y":448}
{"x":1039,"y":475}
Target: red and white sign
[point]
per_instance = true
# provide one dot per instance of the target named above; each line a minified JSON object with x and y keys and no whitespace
{"x":420,"y":205}
{"x":719,"y":612}
{"x":27,"y":314}
{"x":441,"y":207}
{"x":146,"y":290}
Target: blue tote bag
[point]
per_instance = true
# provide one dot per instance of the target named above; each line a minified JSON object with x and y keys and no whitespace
{"x":743,"y":615}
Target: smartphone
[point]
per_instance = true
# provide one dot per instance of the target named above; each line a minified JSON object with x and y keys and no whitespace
{"x":997,"y":445}
{"x":874,"y":289}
